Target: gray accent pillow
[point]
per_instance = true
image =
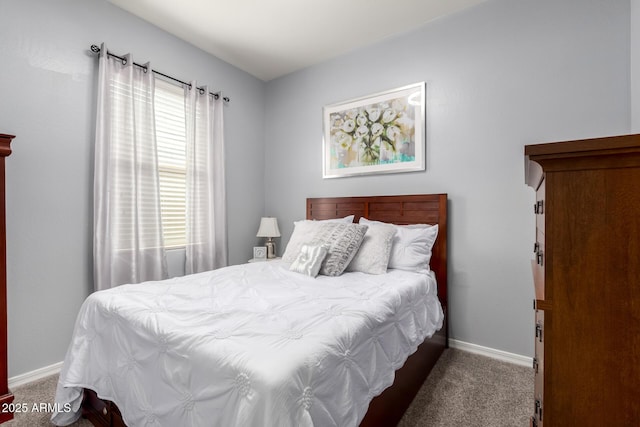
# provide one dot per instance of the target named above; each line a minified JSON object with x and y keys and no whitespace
{"x":343,"y":241}
{"x":303,"y":232}
{"x":309,"y":260}
{"x":375,"y":251}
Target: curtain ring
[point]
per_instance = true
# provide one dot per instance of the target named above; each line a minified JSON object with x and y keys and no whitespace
{"x":216,"y":96}
{"x":124,"y":61}
{"x":201,"y":91}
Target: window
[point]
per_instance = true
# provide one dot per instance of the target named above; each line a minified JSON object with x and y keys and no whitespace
{"x":153,"y":139}
{"x":169,"y":108}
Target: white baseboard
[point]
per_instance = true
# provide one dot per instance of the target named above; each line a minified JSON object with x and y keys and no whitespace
{"x":28,"y":377}
{"x":504,"y":356}
{"x":516,"y":359}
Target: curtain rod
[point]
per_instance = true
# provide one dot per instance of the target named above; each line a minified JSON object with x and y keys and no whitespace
{"x":96,"y":49}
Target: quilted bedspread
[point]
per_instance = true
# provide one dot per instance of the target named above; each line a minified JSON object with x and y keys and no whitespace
{"x":247,"y":345}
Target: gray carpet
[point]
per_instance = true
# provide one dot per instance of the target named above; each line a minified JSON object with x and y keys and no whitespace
{"x":463,"y":389}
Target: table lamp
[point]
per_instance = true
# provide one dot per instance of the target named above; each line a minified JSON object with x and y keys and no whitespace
{"x":269,"y":229}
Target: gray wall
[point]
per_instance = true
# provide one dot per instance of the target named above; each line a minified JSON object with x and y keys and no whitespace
{"x":500,"y":75}
{"x":47,"y":93}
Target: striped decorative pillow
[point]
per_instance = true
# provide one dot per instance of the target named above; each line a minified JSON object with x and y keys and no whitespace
{"x":343,"y":241}
{"x":303,"y":232}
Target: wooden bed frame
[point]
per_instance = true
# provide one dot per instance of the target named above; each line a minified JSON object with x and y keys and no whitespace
{"x":388,"y":408}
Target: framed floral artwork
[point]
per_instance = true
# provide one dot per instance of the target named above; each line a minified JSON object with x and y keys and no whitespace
{"x":380,"y":133}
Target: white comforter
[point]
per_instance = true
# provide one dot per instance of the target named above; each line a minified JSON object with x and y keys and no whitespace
{"x":249,"y":345}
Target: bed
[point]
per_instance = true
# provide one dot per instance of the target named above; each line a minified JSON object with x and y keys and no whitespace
{"x":245,"y":387}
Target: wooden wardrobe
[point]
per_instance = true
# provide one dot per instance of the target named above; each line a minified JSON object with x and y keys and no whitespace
{"x":586,"y":271}
{"x":6,"y":397}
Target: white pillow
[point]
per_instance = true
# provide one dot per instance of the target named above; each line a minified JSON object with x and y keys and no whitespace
{"x":303,"y":232}
{"x":309,"y":260}
{"x":412,"y":245}
{"x":375,"y":250}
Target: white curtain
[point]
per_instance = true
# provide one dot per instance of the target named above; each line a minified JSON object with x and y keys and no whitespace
{"x":206,"y":231}
{"x":128,"y":244}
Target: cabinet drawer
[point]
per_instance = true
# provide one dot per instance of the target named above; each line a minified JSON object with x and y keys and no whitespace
{"x":538,"y":267}
{"x":538,"y":367}
{"x":540,"y":208}
{"x":538,"y":280}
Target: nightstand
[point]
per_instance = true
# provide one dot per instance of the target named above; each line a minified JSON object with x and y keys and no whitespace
{"x":264,"y":259}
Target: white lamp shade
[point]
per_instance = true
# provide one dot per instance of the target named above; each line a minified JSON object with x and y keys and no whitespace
{"x":268,"y":227}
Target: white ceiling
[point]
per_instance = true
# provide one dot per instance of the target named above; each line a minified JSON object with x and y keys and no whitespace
{"x":271,"y":38}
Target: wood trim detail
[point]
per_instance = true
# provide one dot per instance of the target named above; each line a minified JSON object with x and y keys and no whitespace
{"x":5,"y":394}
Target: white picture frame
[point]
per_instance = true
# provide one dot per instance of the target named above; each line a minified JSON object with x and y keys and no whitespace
{"x":380,"y":133}
{"x":260,"y":253}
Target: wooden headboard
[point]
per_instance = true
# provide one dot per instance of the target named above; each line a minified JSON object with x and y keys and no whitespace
{"x":401,"y":210}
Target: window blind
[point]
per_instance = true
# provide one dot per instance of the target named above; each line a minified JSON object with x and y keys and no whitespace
{"x":169,"y":107}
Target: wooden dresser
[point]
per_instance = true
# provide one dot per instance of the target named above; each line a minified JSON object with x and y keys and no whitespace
{"x":6,"y":397}
{"x":586,"y":271}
